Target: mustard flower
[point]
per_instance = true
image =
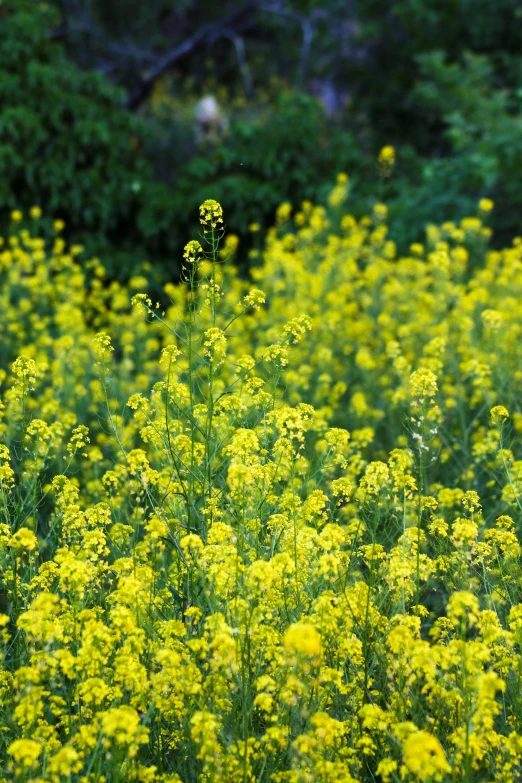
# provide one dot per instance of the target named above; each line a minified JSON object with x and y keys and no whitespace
{"x":424,"y":757}
{"x":423,"y":384}
{"x":210,"y":215}
{"x":486,"y":205}
{"x":193,"y":252}
{"x":498,"y":415}
{"x":303,"y":638}
{"x":24,"y":540}
{"x":25,"y":752}
{"x":387,"y":157}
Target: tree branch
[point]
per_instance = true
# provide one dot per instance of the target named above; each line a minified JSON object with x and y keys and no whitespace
{"x":280,"y":9}
{"x":239,"y":46}
{"x":205,"y":34}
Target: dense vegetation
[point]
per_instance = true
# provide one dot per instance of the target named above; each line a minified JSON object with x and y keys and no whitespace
{"x":261,"y":492}
{"x":305,"y":90}
{"x":266,"y":530}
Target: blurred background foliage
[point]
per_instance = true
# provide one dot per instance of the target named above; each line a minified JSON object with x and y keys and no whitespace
{"x":121,"y":116}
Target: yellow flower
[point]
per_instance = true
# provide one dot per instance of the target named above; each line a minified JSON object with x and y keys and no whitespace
{"x":79,"y":439}
{"x":283,"y":213}
{"x":24,"y":540}
{"x":499,"y":414}
{"x":423,"y":383}
{"x":386,"y":768}
{"x":210,"y":214}
{"x":65,"y":762}
{"x":463,"y":605}
{"x":25,"y":752}
{"x":303,"y":638}
{"x":191,"y":543}
{"x":122,"y":726}
{"x":193,"y":251}
{"x":338,"y":195}
{"x":380,"y":212}
{"x":471,"y":501}
{"x":486,"y":205}
{"x":424,"y":757}
{"x":387,"y":156}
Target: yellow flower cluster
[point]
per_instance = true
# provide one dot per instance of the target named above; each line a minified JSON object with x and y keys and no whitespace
{"x":263,"y":530}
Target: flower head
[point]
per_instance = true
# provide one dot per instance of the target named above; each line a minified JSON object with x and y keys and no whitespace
{"x":210,"y":214}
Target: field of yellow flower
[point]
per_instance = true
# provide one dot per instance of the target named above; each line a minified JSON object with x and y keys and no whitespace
{"x":266,"y":529}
